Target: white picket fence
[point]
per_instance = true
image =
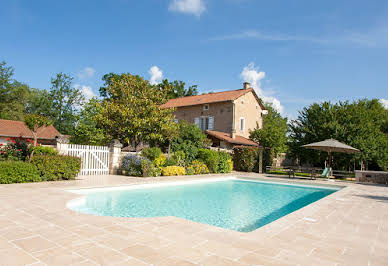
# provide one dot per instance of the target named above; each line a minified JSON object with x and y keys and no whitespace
{"x":95,"y":159}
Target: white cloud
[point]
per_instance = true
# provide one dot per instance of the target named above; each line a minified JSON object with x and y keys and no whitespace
{"x":156,"y":75}
{"x":384,"y":102}
{"x":86,"y":91}
{"x":252,"y":75}
{"x":195,"y":7}
{"x":86,"y":73}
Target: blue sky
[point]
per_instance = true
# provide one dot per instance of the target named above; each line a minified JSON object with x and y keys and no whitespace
{"x":293,"y":52}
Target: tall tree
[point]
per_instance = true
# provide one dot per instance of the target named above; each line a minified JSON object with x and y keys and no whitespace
{"x":87,"y":130}
{"x":360,"y":124}
{"x":131,"y":110}
{"x":63,"y":103}
{"x":273,"y":134}
{"x":176,"y":89}
{"x":14,"y":95}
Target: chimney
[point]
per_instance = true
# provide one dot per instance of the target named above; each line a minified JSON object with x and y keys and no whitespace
{"x":246,"y":85}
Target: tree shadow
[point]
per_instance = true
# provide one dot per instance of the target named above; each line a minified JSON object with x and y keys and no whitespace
{"x":378,"y":198}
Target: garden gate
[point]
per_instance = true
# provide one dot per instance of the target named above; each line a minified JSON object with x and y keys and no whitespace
{"x":95,"y":159}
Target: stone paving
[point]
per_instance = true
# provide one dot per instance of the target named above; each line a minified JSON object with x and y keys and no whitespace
{"x":349,"y":227}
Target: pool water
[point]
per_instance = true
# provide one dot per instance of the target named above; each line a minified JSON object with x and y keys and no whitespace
{"x":233,"y":204}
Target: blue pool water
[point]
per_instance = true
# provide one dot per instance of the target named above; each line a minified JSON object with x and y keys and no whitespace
{"x":233,"y":204}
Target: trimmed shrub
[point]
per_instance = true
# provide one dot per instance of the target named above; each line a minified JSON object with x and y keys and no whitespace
{"x":148,"y":168}
{"x":57,"y":167}
{"x":225,"y":164}
{"x":132,"y":165}
{"x":173,"y":170}
{"x":245,"y":158}
{"x":42,"y":150}
{"x":197,"y":168}
{"x":18,"y":172}
{"x":151,"y":153}
{"x":210,"y":158}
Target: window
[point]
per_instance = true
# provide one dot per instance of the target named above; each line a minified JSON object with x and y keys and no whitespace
{"x":205,"y":123}
{"x":242,"y":123}
{"x":206,"y":107}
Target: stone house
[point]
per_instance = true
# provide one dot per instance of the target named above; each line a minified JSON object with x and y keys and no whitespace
{"x":226,"y":117}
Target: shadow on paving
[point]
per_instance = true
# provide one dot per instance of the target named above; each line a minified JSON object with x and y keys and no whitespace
{"x":378,"y":198}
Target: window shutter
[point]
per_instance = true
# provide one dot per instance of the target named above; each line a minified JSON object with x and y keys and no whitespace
{"x":211,"y":122}
{"x":196,"y":122}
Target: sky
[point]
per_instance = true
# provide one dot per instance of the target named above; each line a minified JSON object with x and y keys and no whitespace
{"x":294,"y":53}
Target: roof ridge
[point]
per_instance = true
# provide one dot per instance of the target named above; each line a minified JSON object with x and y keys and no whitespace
{"x":211,"y":93}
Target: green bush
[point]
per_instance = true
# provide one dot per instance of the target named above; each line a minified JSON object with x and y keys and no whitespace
{"x":18,"y":172}
{"x":245,"y":158}
{"x":189,"y":149}
{"x":170,"y":162}
{"x":179,"y":157}
{"x":131,"y":164}
{"x":148,"y":168}
{"x":42,"y":150}
{"x":151,"y":153}
{"x":225,"y":164}
{"x":197,"y":168}
{"x":173,"y":170}
{"x":57,"y":167}
{"x":160,"y":161}
{"x":210,"y":158}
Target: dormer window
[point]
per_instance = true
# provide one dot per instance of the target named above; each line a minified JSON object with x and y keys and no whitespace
{"x":206,"y":107}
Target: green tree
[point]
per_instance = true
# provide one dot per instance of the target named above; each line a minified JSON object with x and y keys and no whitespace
{"x":62,"y":103}
{"x":361,"y":124}
{"x":87,"y":130}
{"x":273,"y":134}
{"x":14,"y":95}
{"x":176,"y":89}
{"x":131,"y":110}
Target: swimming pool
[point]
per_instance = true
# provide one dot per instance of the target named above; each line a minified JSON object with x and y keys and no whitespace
{"x":236,"y":204}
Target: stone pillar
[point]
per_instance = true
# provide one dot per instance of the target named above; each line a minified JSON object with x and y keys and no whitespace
{"x":114,"y":153}
{"x":261,"y":161}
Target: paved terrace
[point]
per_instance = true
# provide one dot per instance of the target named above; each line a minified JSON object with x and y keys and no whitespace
{"x":349,"y":227}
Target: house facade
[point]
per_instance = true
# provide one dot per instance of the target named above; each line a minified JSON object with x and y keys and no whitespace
{"x":226,"y":117}
{"x":17,"y":129}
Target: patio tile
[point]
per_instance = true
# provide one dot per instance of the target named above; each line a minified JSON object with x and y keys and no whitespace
{"x":102,"y":255}
{"x":58,"y":256}
{"x":218,"y":261}
{"x":33,"y":244}
{"x":5,"y":244}
{"x":15,"y":257}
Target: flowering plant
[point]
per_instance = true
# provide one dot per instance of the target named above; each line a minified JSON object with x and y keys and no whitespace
{"x":17,"y":149}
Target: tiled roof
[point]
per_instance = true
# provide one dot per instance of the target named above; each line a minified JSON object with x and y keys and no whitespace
{"x":238,"y":140}
{"x":207,"y":98}
{"x":11,"y":128}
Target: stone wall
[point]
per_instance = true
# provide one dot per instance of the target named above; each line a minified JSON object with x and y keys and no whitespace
{"x":376,"y":177}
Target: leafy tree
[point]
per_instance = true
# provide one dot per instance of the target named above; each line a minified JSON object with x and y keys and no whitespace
{"x":87,"y":130}
{"x":14,"y":95}
{"x":176,"y":89}
{"x":62,"y":103}
{"x":273,"y":134}
{"x":131,"y":110}
{"x":361,"y":124}
{"x":34,"y":122}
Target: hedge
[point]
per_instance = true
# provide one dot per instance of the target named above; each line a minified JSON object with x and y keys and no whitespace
{"x":245,"y":158}
{"x":57,"y":167}
{"x":18,"y":172}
